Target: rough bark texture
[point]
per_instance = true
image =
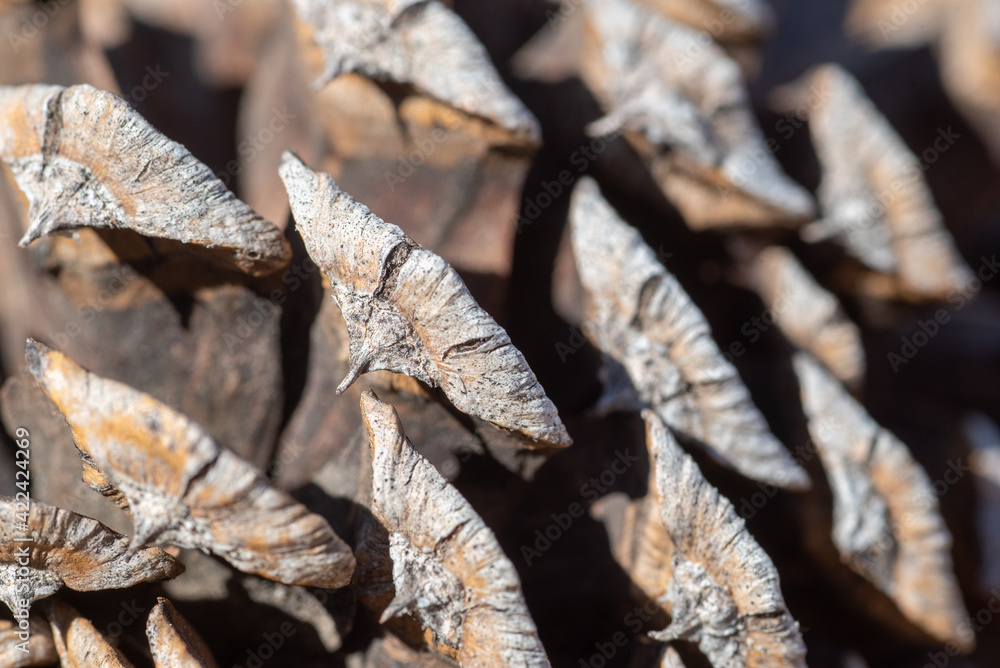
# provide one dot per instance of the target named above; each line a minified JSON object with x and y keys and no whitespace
{"x":808,"y":315}
{"x":449,"y":571}
{"x":684,"y":106}
{"x":724,"y":594}
{"x":66,"y":549}
{"x":874,"y":197}
{"x":85,"y":158}
{"x":640,"y":316}
{"x":173,"y":642}
{"x":886,"y":521}
{"x":183,"y":488}
{"x":408,"y":311}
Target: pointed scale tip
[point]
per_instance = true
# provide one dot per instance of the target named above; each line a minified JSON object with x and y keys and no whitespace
{"x":359,"y":367}
{"x":36,"y":354}
{"x":29,"y":237}
{"x":290,"y":163}
{"x":394,"y":609}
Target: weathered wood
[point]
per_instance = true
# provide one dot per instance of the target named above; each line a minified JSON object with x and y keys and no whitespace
{"x":886,"y":521}
{"x":173,"y":642}
{"x":66,"y":549}
{"x":408,"y":311}
{"x":874,"y":197}
{"x":182,"y":487}
{"x":449,"y":571}
{"x":639,"y":315}
{"x":724,"y":594}
{"x":683,"y":104}
{"x":85,"y":158}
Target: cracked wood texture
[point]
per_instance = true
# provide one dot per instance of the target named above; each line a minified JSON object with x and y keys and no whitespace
{"x":639,"y":315}
{"x":449,"y":571}
{"x":181,"y":487}
{"x":173,"y":642}
{"x":66,"y":549}
{"x":683,"y":104}
{"x":809,"y":315}
{"x":886,"y":520}
{"x":874,"y":197}
{"x":85,"y":158}
{"x":408,"y":311}
{"x":724,"y":593}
